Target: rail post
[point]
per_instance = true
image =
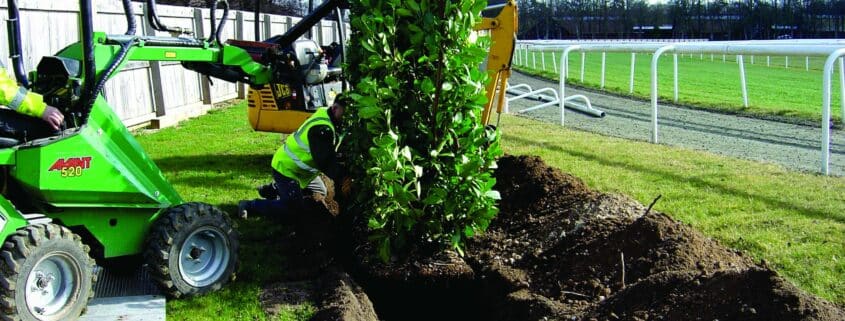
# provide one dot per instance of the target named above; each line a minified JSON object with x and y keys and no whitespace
{"x":543,"y":60}
{"x":603,"y":64}
{"x":742,"y":80}
{"x":675,"y":75}
{"x":564,"y":57}
{"x":633,"y":66}
{"x":826,"y":75}
{"x":654,"y":60}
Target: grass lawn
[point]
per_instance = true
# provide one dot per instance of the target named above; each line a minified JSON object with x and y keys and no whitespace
{"x":794,"y":221}
{"x":219,"y":159}
{"x":773,"y":90}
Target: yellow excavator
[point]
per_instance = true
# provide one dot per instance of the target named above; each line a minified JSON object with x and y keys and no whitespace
{"x":316,"y":77}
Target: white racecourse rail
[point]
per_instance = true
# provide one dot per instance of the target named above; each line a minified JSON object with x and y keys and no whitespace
{"x":832,"y":49}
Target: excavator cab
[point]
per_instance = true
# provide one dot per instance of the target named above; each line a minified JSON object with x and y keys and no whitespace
{"x":306,"y":76}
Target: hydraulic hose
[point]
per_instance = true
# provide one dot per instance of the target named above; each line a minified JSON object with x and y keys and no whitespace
{"x":257,"y":25}
{"x":217,"y":30}
{"x":15,"y":48}
{"x":88,"y":62}
{"x":94,"y":87}
{"x":152,"y":16}
{"x":130,"y":17}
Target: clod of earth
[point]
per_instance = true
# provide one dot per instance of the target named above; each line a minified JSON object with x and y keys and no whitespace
{"x":560,"y":251}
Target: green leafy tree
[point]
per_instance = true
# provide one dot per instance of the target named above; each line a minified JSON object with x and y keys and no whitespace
{"x":421,"y":159}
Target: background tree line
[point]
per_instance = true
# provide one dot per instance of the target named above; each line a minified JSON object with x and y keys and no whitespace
{"x":707,"y":19}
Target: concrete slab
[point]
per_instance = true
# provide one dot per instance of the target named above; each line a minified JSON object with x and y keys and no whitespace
{"x":129,"y":295}
{"x":127,"y":308}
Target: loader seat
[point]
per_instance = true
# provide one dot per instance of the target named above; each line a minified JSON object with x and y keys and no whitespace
{"x":6,"y":142}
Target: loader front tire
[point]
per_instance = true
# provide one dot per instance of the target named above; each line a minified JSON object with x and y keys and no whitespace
{"x":45,"y":275}
{"x":192,"y":250}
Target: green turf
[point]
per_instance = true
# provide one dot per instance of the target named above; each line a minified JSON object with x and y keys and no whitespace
{"x":792,"y":220}
{"x":772,"y":90}
{"x":219,"y":159}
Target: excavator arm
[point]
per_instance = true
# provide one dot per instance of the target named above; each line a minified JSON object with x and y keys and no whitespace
{"x":502,"y":28}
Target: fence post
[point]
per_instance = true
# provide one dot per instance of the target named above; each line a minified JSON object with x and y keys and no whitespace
{"x":320,"y":36}
{"x":724,"y":59}
{"x":583,"y":60}
{"x":752,"y":59}
{"x":205,"y":85}
{"x":554,"y":62}
{"x":711,"y":57}
{"x":603,"y":63}
{"x":654,"y":63}
{"x":564,"y":65}
{"x":155,"y":77}
{"x":534,"y":60}
{"x":675,"y":74}
{"x":543,"y":59}
{"x":742,"y":81}
{"x":633,"y":64}
{"x":268,"y":26}
{"x":239,"y":34}
{"x":807,"y":63}
{"x":826,"y":75}
{"x":768,"y":61}
{"x":786,"y":63}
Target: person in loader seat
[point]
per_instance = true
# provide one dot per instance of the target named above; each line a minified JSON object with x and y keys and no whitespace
{"x":25,"y":116}
{"x":297,"y":164}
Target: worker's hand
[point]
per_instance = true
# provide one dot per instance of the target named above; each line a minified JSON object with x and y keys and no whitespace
{"x":53,"y":117}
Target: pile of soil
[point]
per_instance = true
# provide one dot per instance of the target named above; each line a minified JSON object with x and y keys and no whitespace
{"x":566,"y":252}
{"x":560,"y":251}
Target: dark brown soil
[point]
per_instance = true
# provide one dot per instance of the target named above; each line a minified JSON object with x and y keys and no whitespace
{"x":565,"y":252}
{"x":560,"y":251}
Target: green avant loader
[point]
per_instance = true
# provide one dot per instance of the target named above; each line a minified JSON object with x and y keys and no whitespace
{"x":91,"y":192}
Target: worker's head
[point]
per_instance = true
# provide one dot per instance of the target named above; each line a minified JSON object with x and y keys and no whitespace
{"x":339,"y":106}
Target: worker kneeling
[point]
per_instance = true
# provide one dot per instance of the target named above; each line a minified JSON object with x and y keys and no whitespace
{"x":298,"y":163}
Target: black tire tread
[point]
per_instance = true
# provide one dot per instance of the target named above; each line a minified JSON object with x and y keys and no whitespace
{"x":15,"y":251}
{"x":162,"y":238}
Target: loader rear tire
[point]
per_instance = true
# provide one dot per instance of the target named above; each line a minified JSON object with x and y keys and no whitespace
{"x":192,"y":250}
{"x":46,"y":274}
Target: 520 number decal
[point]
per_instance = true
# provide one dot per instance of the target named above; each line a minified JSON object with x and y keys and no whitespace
{"x":72,"y":166}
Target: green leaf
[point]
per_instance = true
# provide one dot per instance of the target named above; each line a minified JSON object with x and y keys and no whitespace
{"x":403,"y":12}
{"x":406,"y":152}
{"x":493,"y":194}
{"x":369,"y":112}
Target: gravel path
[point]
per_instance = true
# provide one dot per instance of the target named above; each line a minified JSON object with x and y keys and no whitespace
{"x":794,"y":146}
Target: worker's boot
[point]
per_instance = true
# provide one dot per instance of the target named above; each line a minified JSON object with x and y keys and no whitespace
{"x":268,"y":191}
{"x":243,"y":209}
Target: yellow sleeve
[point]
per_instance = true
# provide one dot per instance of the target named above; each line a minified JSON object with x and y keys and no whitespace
{"x":18,"y":98}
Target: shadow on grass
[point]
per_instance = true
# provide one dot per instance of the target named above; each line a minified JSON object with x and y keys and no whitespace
{"x":718,"y":188}
{"x":225,"y":172}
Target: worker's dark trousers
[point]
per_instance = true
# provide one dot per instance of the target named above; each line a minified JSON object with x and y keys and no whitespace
{"x":290,"y":196}
{"x":22,"y":127}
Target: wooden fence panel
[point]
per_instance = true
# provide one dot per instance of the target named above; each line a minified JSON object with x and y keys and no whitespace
{"x":142,"y":90}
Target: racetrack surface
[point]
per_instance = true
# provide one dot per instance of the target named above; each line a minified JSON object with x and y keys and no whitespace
{"x":794,"y":146}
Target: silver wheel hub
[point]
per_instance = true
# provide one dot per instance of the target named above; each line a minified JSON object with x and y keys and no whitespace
{"x":52,"y":285}
{"x":203,"y":257}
